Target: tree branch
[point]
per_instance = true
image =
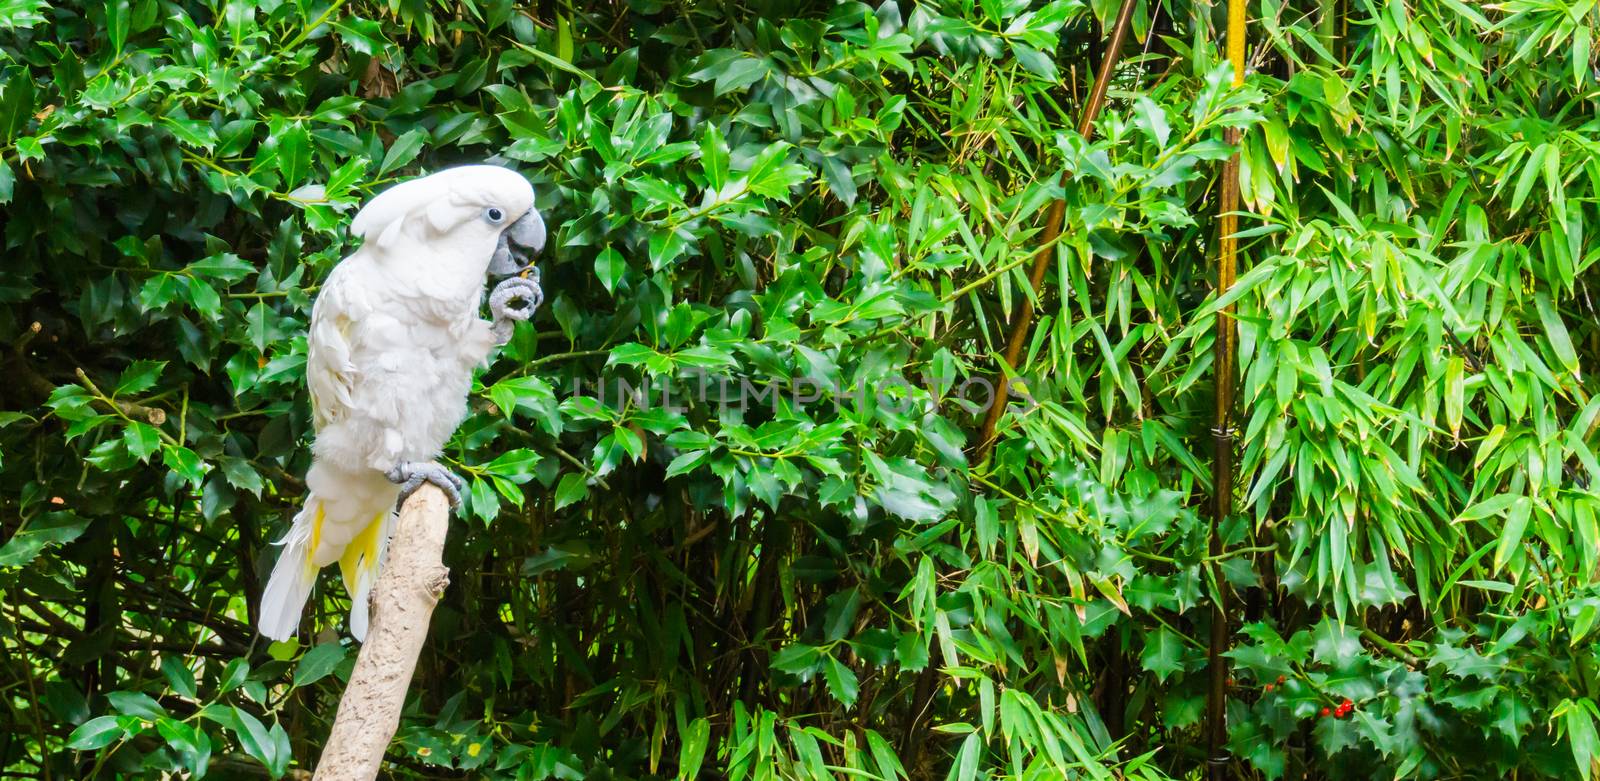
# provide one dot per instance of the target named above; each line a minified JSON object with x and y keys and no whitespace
{"x":413,"y":578}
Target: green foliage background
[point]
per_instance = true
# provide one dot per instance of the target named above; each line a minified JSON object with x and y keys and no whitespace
{"x":826,"y":587}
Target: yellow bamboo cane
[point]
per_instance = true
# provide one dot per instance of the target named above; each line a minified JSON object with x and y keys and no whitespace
{"x":1223,"y":432}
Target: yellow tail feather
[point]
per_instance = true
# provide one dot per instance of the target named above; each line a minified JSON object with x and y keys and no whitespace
{"x":316,"y":535}
{"x":361,"y":554}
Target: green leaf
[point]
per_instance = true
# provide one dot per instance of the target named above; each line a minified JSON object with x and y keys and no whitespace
{"x":1163,"y":653}
{"x":733,"y":74}
{"x":686,"y":462}
{"x":317,"y":663}
{"x":136,"y":704}
{"x":1454,"y":392}
{"x":185,"y":462}
{"x":692,"y":749}
{"x":284,"y":650}
{"x":178,"y":676}
{"x":1152,"y":120}
{"x":117,"y":23}
{"x":1531,"y":167}
{"x":515,"y":465}
{"x":531,"y":395}
{"x":841,"y":615}
{"x":714,"y":159}
{"x":1511,"y":535}
{"x":242,"y":474}
{"x":1556,"y":332}
{"x":772,"y":176}
{"x":403,"y":151}
{"x":840,"y":178}
{"x":139,"y":377}
{"x":192,"y":744}
{"x":203,"y":296}
{"x":1581,"y":735}
{"x":1036,"y":62}
{"x":95,"y":733}
{"x":798,"y":659}
{"x":481,"y":500}
{"x":572,"y":488}
{"x":294,"y":154}
{"x":142,"y":440}
{"x":557,"y":557}
{"x":226,"y":268}
{"x":1492,"y":506}
{"x":965,"y":767}
{"x":282,"y":752}
{"x":842,"y":682}
{"x":259,"y":326}
{"x":665,"y":246}
{"x":1335,"y":643}
{"x":234,"y":675}
{"x":260,"y":743}
{"x":29,"y":541}
{"x":609,"y":267}
{"x":21,"y":14}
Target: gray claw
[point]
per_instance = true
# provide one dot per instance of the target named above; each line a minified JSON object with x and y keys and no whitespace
{"x":411,"y":475}
{"x":514,"y":290}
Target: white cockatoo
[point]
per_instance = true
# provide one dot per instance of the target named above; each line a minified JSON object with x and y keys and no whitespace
{"x":395,"y":336}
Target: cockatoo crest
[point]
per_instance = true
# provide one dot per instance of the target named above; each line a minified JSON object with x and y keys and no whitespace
{"x":481,"y":201}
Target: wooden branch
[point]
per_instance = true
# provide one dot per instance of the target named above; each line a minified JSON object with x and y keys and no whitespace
{"x":413,"y":578}
{"x":1023,"y":319}
{"x":24,"y":368}
{"x":155,"y":415}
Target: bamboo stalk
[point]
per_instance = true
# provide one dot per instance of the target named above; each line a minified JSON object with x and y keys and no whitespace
{"x":1223,"y":432}
{"x":413,"y":578}
{"x":1022,"y":320}
{"x":1328,"y":31}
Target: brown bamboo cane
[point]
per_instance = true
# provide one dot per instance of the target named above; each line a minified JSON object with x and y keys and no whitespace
{"x":1022,"y":320}
{"x":1223,"y":434}
{"x":413,"y":578}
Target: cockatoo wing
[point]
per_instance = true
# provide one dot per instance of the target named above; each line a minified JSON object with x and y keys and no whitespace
{"x":330,"y":374}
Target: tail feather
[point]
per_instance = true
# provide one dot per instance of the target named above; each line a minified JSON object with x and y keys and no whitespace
{"x":359,"y":568}
{"x":347,"y":518}
{"x":292,"y":577}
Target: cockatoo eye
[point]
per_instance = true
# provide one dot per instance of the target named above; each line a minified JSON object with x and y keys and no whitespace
{"x":494,"y":215}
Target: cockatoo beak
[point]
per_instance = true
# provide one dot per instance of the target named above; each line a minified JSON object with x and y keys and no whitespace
{"x":526,"y":234}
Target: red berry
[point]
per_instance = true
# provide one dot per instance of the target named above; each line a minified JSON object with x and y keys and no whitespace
{"x":1280,"y":679}
{"x":1324,"y":712}
{"x":1346,"y":704}
{"x":1267,"y":688}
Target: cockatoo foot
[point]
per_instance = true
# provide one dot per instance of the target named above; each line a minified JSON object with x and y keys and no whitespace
{"x":513,"y":301}
{"x":410,"y":475}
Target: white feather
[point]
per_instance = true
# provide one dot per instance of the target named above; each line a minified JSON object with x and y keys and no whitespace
{"x":292,"y":578}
